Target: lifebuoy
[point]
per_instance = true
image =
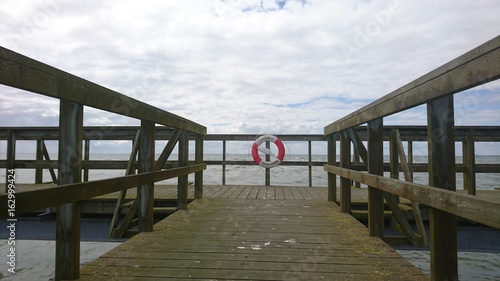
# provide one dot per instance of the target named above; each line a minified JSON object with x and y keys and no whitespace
{"x":256,"y":148}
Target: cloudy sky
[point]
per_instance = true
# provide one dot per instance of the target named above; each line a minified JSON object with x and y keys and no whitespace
{"x":249,"y":66}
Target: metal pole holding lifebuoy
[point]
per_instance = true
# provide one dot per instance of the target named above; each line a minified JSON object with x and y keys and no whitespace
{"x":256,"y":147}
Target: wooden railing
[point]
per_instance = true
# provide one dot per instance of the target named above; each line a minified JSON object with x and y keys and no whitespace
{"x":411,"y":135}
{"x":436,"y":89}
{"x":128,"y":133}
{"x":74,"y":93}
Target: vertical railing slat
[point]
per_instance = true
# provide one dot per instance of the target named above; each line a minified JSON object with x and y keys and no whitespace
{"x":376,"y":167}
{"x":470,"y":182}
{"x":198,"y":176}
{"x":182,"y":184}
{"x":146,"y":163}
{"x":332,"y":160}
{"x":11,"y":155}
{"x":345,"y":183}
{"x":443,"y":225}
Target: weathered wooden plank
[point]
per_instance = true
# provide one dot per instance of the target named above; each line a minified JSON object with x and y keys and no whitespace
{"x":31,"y":200}
{"x":167,"y":150}
{"x":251,"y":137}
{"x":254,"y":193}
{"x":280,"y":195}
{"x":212,"y":191}
{"x":123,"y":193}
{"x":215,"y":239}
{"x":270,"y":194}
{"x":28,"y":74}
{"x":246,"y":191}
{"x":262,"y":192}
{"x":408,"y":177}
{"x":240,"y":274}
{"x":408,"y":133}
{"x":305,"y":193}
{"x":230,"y":189}
{"x":471,"y":69}
{"x":223,"y":189}
{"x":344,"y":256}
{"x":266,"y":266}
{"x":287,"y":192}
{"x":296,"y":193}
{"x":122,"y":165}
{"x":314,"y":192}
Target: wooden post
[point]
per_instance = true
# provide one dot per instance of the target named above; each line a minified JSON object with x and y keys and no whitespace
{"x":39,"y":157}
{"x":345,"y":183}
{"x":198,"y":176}
{"x":70,"y":171}
{"x":470,"y":180}
{"x":376,"y":167}
{"x":223,"y":162}
{"x":146,"y":163}
{"x":332,"y":160}
{"x":310,"y":162}
{"x":443,"y":225}
{"x":11,"y":155}
{"x":410,"y":156}
{"x":182,"y":184}
{"x":393,"y":155}
{"x":86,"y":158}
{"x":356,"y":160}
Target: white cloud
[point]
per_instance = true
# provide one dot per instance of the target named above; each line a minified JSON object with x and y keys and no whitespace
{"x":243,"y":66}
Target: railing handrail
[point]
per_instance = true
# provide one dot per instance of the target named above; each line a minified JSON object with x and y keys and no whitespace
{"x":486,"y":211}
{"x":482,"y":133}
{"x":47,"y":197}
{"x":25,"y":73}
{"x":476,"y":67}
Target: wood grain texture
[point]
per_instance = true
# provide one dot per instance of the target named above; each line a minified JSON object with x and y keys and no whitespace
{"x":254,"y":239}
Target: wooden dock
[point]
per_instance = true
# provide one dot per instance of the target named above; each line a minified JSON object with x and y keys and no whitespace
{"x":236,"y":232}
{"x":254,"y":239}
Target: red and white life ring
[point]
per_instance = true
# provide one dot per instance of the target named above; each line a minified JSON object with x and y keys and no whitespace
{"x":256,"y":148}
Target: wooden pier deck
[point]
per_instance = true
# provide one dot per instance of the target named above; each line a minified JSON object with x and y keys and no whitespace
{"x":254,"y":239}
